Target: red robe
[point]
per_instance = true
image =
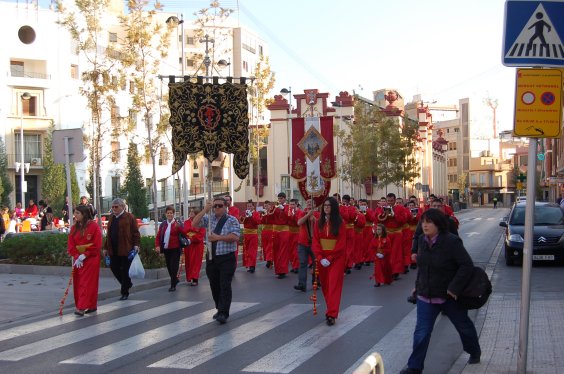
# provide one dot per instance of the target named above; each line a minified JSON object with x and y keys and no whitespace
{"x":382,"y":267}
{"x":281,"y":237}
{"x":412,"y":222}
{"x":348,"y":215}
{"x":394,"y":226}
{"x":234,"y":211}
{"x":293,"y":237}
{"x":325,"y":245}
{"x":266,"y":236}
{"x":85,"y":279}
{"x":358,"y":252}
{"x":194,"y":253}
{"x":367,"y":235}
{"x":250,"y":239}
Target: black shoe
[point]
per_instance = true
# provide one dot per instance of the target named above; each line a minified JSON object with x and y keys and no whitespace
{"x":367,"y":263}
{"x":330,"y":321}
{"x":221,"y":318}
{"x":194,"y":282}
{"x":347,"y":270}
{"x":252,"y":269}
{"x":474,"y":360}
{"x":358,"y":266}
{"x":79,"y":312}
{"x":124,"y":297}
{"x":395,"y":277}
{"x":300,"y":287}
{"x":376,"y":284}
{"x":268,"y":264}
{"x":172,"y":289}
{"x":411,"y":371}
{"x":281,"y":276}
{"x":413,"y":266}
{"x":88,"y":311}
{"x":215,"y":315}
{"x":406,"y":270}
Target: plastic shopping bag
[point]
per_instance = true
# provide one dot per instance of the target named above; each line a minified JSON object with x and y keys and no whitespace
{"x":136,"y":269}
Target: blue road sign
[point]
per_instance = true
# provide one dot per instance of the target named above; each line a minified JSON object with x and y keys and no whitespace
{"x":533,"y":33}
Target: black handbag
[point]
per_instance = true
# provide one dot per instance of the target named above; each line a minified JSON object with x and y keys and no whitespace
{"x":184,"y":241}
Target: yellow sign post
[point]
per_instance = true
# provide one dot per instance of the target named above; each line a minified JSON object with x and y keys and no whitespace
{"x":538,"y":103}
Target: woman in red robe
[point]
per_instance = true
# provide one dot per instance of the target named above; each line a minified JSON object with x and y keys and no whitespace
{"x":84,"y":245}
{"x":194,"y":253}
{"x":329,"y":247}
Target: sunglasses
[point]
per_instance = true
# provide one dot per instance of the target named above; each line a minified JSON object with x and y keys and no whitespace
{"x":115,"y":206}
{"x":218,"y":206}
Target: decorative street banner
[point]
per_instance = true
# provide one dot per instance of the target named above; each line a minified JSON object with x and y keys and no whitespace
{"x":313,"y":158}
{"x":209,"y":117}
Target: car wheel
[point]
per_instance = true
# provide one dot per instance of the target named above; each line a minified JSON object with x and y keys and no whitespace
{"x":508,"y":259}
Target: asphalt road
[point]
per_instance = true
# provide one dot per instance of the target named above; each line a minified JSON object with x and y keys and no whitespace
{"x":271,"y":329}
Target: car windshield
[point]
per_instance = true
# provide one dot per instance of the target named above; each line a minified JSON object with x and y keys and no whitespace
{"x":544,"y":216}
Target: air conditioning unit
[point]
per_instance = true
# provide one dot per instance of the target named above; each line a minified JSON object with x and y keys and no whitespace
{"x":36,"y":161}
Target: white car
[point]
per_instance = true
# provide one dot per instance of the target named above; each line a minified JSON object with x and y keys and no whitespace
{"x":521,"y":199}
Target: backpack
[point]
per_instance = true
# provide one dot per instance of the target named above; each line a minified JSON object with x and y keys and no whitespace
{"x":477,"y":290}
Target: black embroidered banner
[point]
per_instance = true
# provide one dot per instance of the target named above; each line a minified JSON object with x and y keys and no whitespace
{"x":210,"y":117}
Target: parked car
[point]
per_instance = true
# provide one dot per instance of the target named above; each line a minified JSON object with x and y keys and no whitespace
{"x":521,"y":199}
{"x":548,"y":233}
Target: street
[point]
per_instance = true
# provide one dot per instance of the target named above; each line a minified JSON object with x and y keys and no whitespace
{"x":271,"y":328}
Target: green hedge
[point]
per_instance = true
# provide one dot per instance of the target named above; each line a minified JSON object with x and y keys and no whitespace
{"x":51,"y":249}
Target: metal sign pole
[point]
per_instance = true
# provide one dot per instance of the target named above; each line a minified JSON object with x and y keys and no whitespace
{"x":69,"y":189}
{"x":527,"y":258}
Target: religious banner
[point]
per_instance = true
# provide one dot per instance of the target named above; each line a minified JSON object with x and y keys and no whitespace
{"x":209,"y":118}
{"x":313,"y":158}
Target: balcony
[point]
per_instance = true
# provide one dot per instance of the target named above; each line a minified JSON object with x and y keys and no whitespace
{"x":29,"y":74}
{"x":34,"y":160}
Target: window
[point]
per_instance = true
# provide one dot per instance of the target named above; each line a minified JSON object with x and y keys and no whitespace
{"x":132,"y":118}
{"x":163,"y":156}
{"x":245,"y":66}
{"x":260,"y":50}
{"x":452,"y":146}
{"x":285,"y":185}
{"x":456,"y":129}
{"x":123,"y":85}
{"x":163,"y":189}
{"x":32,"y":146}
{"x":190,"y":62}
{"x":523,"y":160}
{"x":190,"y":40}
{"x":112,"y":37}
{"x":147,"y":154}
{"x":452,"y":162}
{"x":115,"y":187}
{"x":114,"y":113}
{"x":131,"y":87}
{"x":472,"y":179}
{"x":29,"y":107}
{"x":17,"y":68}
{"x":482,"y":179}
{"x":74,"y":71}
{"x":115,"y":152}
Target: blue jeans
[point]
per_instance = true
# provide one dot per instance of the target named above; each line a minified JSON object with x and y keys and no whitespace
{"x":304,"y":254}
{"x":426,"y":316}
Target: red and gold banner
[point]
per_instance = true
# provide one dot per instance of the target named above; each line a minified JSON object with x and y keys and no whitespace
{"x":313,"y":157}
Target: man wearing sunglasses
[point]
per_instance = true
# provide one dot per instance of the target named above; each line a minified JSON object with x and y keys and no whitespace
{"x":221,"y":254}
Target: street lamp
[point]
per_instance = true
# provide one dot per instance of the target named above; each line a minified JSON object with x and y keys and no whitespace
{"x":288,"y":92}
{"x":25,"y":97}
{"x":222,"y":64}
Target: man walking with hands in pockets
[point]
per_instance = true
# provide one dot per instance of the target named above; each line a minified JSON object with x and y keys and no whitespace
{"x":221,"y":255}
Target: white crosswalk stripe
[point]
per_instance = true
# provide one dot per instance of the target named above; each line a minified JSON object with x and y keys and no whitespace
{"x":135,"y":343}
{"x":49,"y":344}
{"x":29,"y":328}
{"x":211,"y":348}
{"x":293,"y":354}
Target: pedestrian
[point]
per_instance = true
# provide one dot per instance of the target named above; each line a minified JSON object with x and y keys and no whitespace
{"x":381,"y":249}
{"x":394,"y":217}
{"x":46,"y":222}
{"x":31,"y":211}
{"x":444,"y":268}
{"x":122,"y":236}
{"x":495,"y":202}
{"x":250,"y":220}
{"x":267,"y":234}
{"x":306,"y":220}
{"x":293,"y":233}
{"x":84,"y":201}
{"x":329,"y":246}
{"x":281,"y":237}
{"x":167,"y":242}
{"x":65,"y":210}
{"x":221,"y":256}
{"x":84,"y":244}
{"x":19,"y":212}
{"x":194,"y":253}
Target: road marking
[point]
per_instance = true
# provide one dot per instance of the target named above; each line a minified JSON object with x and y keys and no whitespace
{"x":119,"y":349}
{"x":295,"y":353}
{"x":211,"y":348}
{"x":49,"y":344}
{"x":14,"y":332}
{"x":470,"y":234}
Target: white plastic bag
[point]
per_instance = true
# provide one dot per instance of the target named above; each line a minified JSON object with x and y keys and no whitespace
{"x":136,"y":269}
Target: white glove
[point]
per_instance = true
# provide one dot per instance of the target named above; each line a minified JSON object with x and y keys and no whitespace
{"x":281,"y":207}
{"x":379,"y":255}
{"x":324,"y":262}
{"x":82,"y":257}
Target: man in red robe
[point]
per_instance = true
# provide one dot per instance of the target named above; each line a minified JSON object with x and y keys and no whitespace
{"x":250,"y":220}
{"x":280,"y":248}
{"x":267,"y":233}
{"x":294,"y":229}
{"x":393,"y":217}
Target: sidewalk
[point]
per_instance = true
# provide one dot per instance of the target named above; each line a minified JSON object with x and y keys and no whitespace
{"x":28,"y":291}
{"x":498,"y":328}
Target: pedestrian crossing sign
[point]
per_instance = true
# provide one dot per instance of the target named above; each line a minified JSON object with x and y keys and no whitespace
{"x":533,"y":33}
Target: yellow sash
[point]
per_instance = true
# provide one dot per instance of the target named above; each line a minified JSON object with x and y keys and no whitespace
{"x":250,"y":231}
{"x":328,"y":244}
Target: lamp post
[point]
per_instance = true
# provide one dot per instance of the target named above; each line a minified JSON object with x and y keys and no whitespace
{"x":288,"y":92}
{"x":25,"y":97}
{"x":173,"y":20}
{"x":222,"y":63}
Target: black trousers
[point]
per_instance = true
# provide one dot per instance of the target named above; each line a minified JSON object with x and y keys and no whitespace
{"x":120,"y":268}
{"x":220,"y":272}
{"x":172,"y":258}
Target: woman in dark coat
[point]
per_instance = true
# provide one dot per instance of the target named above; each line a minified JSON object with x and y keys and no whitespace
{"x":444,"y":268}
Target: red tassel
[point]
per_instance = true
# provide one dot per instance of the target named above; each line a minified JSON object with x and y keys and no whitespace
{"x":314,"y":296}
{"x":62,"y":302}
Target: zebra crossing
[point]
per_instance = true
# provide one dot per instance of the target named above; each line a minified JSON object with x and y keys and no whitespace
{"x":18,"y":344}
